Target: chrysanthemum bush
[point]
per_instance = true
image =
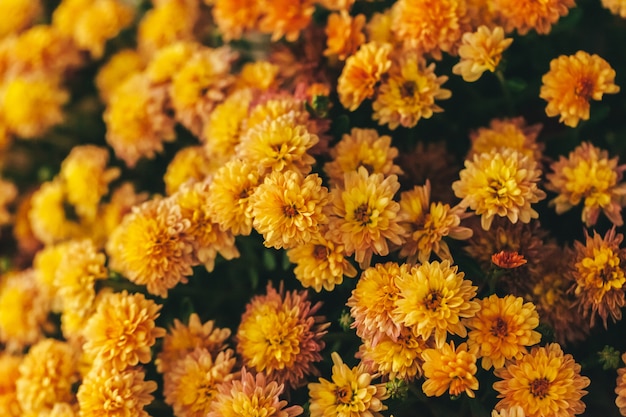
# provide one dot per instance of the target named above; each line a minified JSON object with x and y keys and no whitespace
{"x":280,"y":208}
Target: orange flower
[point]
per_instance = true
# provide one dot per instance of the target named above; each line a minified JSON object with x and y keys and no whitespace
{"x":362,"y":147}
{"x":107,"y":393}
{"x":288,"y":208}
{"x":617,"y":7}
{"x":427,"y":223}
{"x":285,"y":17}
{"x":151,"y":246}
{"x":362,"y":72}
{"x":364,"y":216}
{"x":344,"y":34}
{"x":572,"y":82}
{"x":281,"y":336}
{"x":233,"y":18}
{"x":588,"y":175}
{"x":430,"y":26}
{"x":320,"y":263}
{"x":183,"y":339}
{"x":409,"y":92}
{"x":542,"y":382}
{"x":525,"y":15}
{"x":373,"y":300}
{"x":481,"y":51}
{"x":508,"y":260}
{"x":432,"y":300}
{"x":191,"y":385}
{"x":350,"y":393}
{"x":449,"y":369}
{"x":507,"y":133}
{"x":598,"y":275}
{"x":122,"y":330}
{"x":502,"y":183}
{"x":255,"y":394}
{"x":502,"y":329}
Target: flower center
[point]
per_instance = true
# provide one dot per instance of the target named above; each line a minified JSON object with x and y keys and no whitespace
{"x":362,"y":215}
{"x":500,"y":328}
{"x":539,"y":387}
{"x":407,"y":89}
{"x":319,"y":252}
{"x":290,"y":211}
{"x":343,"y":395}
{"x":433,"y":300}
{"x":584,"y":88}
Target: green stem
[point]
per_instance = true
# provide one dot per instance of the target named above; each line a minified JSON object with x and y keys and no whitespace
{"x":508,"y":98}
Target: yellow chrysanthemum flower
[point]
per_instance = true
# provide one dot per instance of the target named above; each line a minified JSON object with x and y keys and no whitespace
{"x":430,"y":26}
{"x":152,"y":247}
{"x":92,"y":23}
{"x":572,"y":82}
{"x":279,"y":144}
{"x":80,"y":266}
{"x":501,"y":182}
{"x":281,"y":336}
{"x":260,"y":75}
{"x":599,"y":277}
{"x":399,"y":358}
{"x":362,"y":147}
{"x":191,"y":386}
{"x":234,"y":18}
{"x":117,"y":69}
{"x":364,"y":216}
{"x":230,"y":191}
{"x":449,"y":369}
{"x":481,"y":51}
{"x":588,"y":175}
{"x":502,"y":329}
{"x":285,"y":18}
{"x":515,"y":411}
{"x":409,"y":93}
{"x":43,"y":49}
{"x":320,"y":263}
{"x":427,"y":223}
{"x":167,"y":23}
{"x":344,"y":34}
{"x":50,"y":219}
{"x":24,"y":310}
{"x":207,"y":237}
{"x":432,"y":300}
{"x":543,"y":382}
{"x":137,"y":120}
{"x":379,"y":27}
{"x":168,"y":60}
{"x":189,"y":164}
{"x":121,"y":332}
{"x":373,"y":300}
{"x":183,"y":339}
{"x":526,"y":15}
{"x":507,"y":133}
{"x":350,"y":393}
{"x":617,"y":7}
{"x":200,"y":84}
{"x":362,"y":72}
{"x":225,"y":125}
{"x":106,"y":393}
{"x":86,"y":179}
{"x":289,"y":208}
{"x":47,"y":374}
{"x":9,"y":373}
{"x":252,"y":394}
{"x":30,"y":106}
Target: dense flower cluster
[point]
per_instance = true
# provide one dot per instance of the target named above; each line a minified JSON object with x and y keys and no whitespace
{"x":330,"y":208}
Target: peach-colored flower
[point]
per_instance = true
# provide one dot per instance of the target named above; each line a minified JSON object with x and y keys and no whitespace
{"x":572,"y":82}
{"x":481,"y":51}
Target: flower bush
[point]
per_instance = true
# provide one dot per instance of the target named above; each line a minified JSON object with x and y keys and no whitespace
{"x":324,"y":208}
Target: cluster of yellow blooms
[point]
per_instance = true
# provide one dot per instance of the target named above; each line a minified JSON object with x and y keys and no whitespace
{"x":281,"y":122}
